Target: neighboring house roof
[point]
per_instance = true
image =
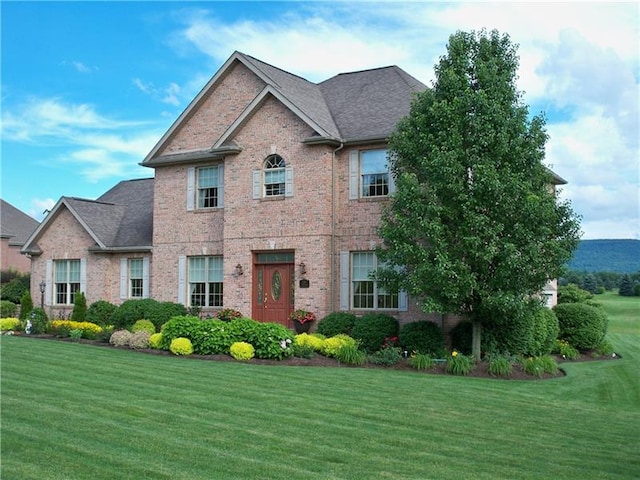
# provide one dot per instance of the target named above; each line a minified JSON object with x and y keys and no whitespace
{"x":15,"y":224}
{"x":348,"y":108}
{"x":119,"y":220}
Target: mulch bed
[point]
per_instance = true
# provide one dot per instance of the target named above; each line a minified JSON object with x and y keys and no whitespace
{"x":481,"y":369}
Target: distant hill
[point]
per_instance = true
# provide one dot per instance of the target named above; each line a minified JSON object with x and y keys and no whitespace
{"x":621,"y":256}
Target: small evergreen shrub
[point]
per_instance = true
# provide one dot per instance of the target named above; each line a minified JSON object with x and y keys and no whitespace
{"x":459,"y":364}
{"x":583,"y":326}
{"x":8,"y":324}
{"x":386,"y":357}
{"x":79,"y":312}
{"x":421,"y":361}
{"x":572,"y":293}
{"x":350,"y":354}
{"x":421,"y":337}
{"x":181,"y":346}
{"x":38,"y":318}
{"x":372,"y":329}
{"x":7,"y":309}
{"x":100,"y":312}
{"x":332,"y":345}
{"x":336,"y":323}
{"x":143,"y":325}
{"x":139,"y":339}
{"x":26,"y":305}
{"x":147,"y":308}
{"x":242,"y":351}
{"x":120,"y":338}
{"x":155,"y":341}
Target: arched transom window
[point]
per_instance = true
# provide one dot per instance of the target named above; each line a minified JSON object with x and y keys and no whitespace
{"x":274,"y":176}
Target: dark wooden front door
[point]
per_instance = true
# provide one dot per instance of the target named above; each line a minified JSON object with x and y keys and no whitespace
{"x":272,"y":293}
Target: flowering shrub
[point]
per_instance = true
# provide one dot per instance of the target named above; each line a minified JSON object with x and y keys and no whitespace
{"x":181,"y":346}
{"x":242,"y":351}
{"x":313,"y":341}
{"x":155,"y":341}
{"x":63,"y":327}
{"x":302,"y":316}
{"x":9,"y":323}
{"x":228,"y":314}
{"x":331,"y":345}
{"x":139,"y":339}
{"x":144,"y":325}
{"x":120,"y":338}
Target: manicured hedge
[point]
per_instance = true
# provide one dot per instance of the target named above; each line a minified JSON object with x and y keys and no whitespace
{"x":372,"y":330}
{"x":421,"y":337}
{"x":582,"y":326}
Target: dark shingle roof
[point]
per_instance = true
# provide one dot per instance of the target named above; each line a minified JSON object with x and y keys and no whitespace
{"x":15,"y":225}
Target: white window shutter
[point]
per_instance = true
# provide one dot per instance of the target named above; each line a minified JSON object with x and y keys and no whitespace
{"x":288,"y":179}
{"x":48,"y":291}
{"x":182,"y":279}
{"x":124,"y":264}
{"x":392,"y":183}
{"x":145,"y":277}
{"x":191,"y":187}
{"x":344,"y":281}
{"x":354,"y":175}
{"x":257,"y":184}
{"x":83,"y":276}
{"x":403,"y":301}
{"x":220,"y":186}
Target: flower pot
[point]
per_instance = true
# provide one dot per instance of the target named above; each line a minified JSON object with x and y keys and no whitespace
{"x":302,"y":327}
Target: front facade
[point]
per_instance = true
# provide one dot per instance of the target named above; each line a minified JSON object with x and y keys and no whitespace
{"x":266,"y":197}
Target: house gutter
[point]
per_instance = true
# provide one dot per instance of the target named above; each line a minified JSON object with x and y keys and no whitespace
{"x":333,"y":226}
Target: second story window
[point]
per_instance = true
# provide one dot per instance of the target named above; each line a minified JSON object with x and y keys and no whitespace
{"x":274,"y":180}
{"x":205,"y":187}
{"x":67,"y":281}
{"x":369,"y":174}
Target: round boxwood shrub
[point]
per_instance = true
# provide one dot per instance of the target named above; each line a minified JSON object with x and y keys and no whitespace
{"x":582,"y":326}
{"x":157,"y":312}
{"x":7,"y":309}
{"x":181,"y":346}
{"x":421,"y":337}
{"x":372,"y":330}
{"x":336,"y":323}
{"x":143,"y":325}
{"x":100,"y":312}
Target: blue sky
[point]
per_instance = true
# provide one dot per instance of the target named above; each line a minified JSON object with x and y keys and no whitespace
{"x":88,"y":88}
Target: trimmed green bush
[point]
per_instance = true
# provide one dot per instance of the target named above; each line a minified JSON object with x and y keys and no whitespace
{"x":181,"y":346}
{"x":26,"y":305}
{"x":581,"y":325}
{"x":7,"y":309}
{"x":38,"y":318}
{"x":421,"y":337}
{"x":13,"y":289}
{"x":270,"y":340}
{"x":180,"y":326}
{"x":372,"y":329}
{"x":545,"y":330}
{"x":100,"y":312}
{"x":157,"y":312}
{"x":336,"y":323}
{"x":143,"y":325}
{"x":572,"y":293}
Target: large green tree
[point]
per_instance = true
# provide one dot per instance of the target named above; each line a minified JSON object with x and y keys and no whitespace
{"x":474,"y":227}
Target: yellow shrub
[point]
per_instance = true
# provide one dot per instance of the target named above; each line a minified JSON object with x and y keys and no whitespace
{"x":242,"y":351}
{"x":155,"y":340}
{"x":9,"y":323}
{"x":332,"y":345}
{"x":181,"y":346}
{"x":89,"y":330}
{"x":311,"y":341}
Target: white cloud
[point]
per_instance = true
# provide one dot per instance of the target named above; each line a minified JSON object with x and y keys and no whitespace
{"x":39,"y":206}
{"x":171,"y":94}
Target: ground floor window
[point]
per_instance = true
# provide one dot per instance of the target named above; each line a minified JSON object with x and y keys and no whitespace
{"x":135,"y":278}
{"x":365,"y":292}
{"x":205,"y":281}
{"x":67,"y":280}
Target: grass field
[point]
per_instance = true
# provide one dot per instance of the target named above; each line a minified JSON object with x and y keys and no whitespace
{"x":74,"y":411}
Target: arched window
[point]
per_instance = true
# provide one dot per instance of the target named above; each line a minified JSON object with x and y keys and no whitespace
{"x":274,"y":176}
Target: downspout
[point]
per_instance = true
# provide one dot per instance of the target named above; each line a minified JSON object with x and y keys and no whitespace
{"x":333,"y":226}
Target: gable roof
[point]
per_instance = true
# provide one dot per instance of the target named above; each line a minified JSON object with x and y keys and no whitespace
{"x":15,"y":224}
{"x":119,"y":220}
{"x":347,"y":108}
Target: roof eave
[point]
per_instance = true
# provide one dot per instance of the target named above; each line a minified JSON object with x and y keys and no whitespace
{"x":127,"y":249}
{"x":216,"y":153}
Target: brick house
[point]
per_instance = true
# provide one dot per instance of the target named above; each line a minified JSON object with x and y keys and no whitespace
{"x":15,"y":228}
{"x":266,"y":197}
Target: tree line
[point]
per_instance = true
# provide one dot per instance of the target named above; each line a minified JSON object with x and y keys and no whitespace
{"x":628,"y":284}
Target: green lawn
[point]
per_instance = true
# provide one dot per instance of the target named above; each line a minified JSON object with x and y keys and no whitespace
{"x":73,"y":411}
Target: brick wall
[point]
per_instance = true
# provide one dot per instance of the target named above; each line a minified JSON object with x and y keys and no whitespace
{"x":11,"y":258}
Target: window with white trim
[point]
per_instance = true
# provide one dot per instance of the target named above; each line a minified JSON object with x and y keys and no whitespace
{"x":365,"y":292}
{"x":274,"y":180}
{"x":205,"y":187}
{"x":369,"y":175}
{"x":136,"y":279}
{"x":205,"y":281}
{"x":67,"y":280}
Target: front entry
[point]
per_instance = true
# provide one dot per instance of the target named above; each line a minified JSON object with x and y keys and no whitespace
{"x":273,"y":291}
